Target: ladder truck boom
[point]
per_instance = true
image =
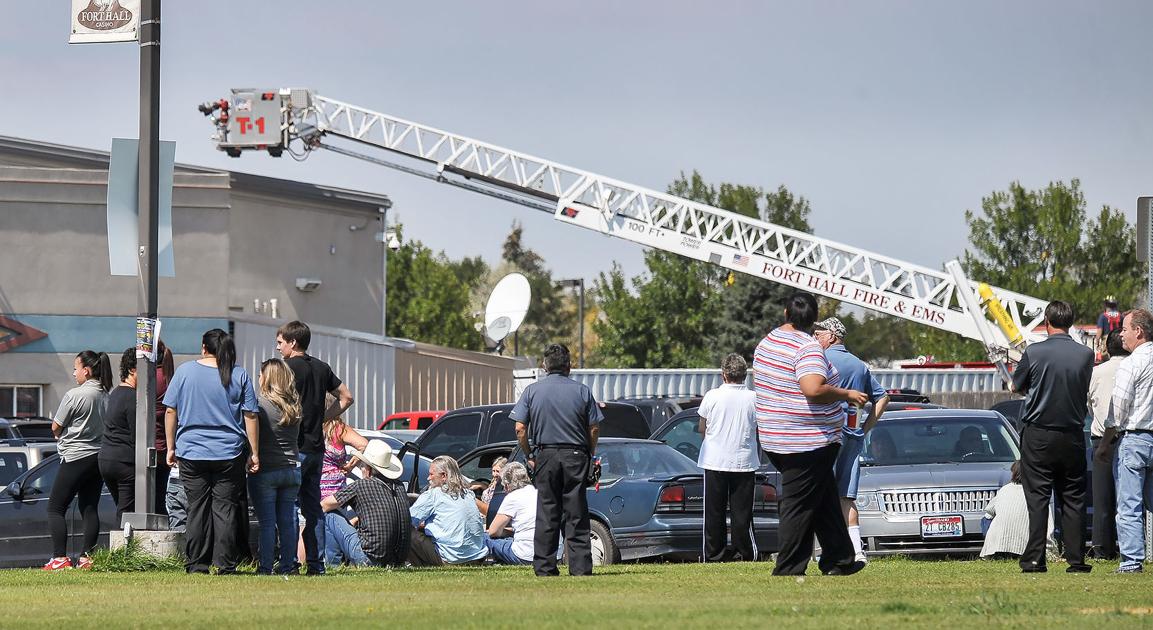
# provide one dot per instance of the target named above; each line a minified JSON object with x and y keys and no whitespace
{"x":298,"y":121}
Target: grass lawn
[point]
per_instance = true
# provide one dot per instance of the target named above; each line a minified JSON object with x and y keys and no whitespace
{"x":889,"y":592}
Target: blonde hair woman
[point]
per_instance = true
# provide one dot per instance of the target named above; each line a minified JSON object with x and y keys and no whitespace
{"x":275,"y":486}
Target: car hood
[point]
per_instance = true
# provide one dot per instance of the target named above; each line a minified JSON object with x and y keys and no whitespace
{"x":968,"y":475}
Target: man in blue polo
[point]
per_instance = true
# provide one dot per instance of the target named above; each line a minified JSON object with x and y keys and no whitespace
{"x":855,"y":374}
{"x":563,"y":422}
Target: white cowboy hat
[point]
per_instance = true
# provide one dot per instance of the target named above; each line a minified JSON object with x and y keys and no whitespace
{"x":379,"y":455}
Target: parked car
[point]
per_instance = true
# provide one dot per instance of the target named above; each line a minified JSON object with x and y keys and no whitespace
{"x":906,"y":406}
{"x":410,"y":420}
{"x":650,"y":501}
{"x":906,"y":395}
{"x":459,"y":431}
{"x":657,"y":410}
{"x":18,"y":457}
{"x":29,"y":428}
{"x":1012,"y":410}
{"x":926,"y":477}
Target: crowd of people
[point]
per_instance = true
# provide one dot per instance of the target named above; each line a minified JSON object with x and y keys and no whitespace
{"x":281,"y":444}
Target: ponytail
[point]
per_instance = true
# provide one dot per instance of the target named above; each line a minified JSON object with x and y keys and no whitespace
{"x":98,"y":366}
{"x":219,"y":344}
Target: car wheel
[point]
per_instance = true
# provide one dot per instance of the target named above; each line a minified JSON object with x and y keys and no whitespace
{"x":603,"y":547}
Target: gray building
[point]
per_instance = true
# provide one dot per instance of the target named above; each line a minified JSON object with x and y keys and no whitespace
{"x":246,"y":248}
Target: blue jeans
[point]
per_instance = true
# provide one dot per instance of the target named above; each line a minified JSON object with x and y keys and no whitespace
{"x":847,"y":468}
{"x":342,"y":543}
{"x":274,"y":494}
{"x":501,"y":550}
{"x":1134,"y":494}
{"x":176,"y":502}
{"x":313,"y":534}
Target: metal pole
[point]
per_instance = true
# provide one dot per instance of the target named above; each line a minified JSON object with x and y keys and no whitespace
{"x":383,"y":272}
{"x":145,"y":515}
{"x":581,"y":315}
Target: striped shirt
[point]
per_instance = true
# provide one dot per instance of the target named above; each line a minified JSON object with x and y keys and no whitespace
{"x":1133,"y":392}
{"x":787,"y":422}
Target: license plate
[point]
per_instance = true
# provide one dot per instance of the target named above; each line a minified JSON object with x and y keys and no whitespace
{"x":942,"y":526}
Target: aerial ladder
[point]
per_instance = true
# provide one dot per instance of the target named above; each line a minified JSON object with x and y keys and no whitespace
{"x":298,"y":121}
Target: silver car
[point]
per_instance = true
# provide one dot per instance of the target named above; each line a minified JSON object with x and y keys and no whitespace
{"x":926,"y":477}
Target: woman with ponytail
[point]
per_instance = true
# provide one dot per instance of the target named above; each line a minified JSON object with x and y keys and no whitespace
{"x":78,"y":426}
{"x":210,"y":426}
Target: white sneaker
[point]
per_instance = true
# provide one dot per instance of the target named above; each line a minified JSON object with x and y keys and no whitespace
{"x":861,"y":557}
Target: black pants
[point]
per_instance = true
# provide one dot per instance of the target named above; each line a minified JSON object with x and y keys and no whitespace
{"x":1053,"y":463}
{"x":1104,"y":504}
{"x":809,"y":506}
{"x":120,"y":477}
{"x":214,"y":490}
{"x":561,"y":499}
{"x":162,"y":470}
{"x":78,"y":479}
{"x":734,"y":491}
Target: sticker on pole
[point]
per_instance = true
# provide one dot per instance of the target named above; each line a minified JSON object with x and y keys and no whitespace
{"x":147,"y":335}
{"x":98,"y":21}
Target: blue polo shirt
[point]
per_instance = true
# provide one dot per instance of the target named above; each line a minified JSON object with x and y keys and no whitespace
{"x":557,"y":410}
{"x":855,"y":374}
{"x":210,"y":417}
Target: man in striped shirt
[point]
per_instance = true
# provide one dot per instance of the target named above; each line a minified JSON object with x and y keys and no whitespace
{"x":1132,"y":418}
{"x":799,"y":420}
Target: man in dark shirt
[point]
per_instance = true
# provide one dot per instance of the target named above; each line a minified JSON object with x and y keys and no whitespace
{"x":314,"y":380}
{"x":1054,"y":377}
{"x":562,"y":421}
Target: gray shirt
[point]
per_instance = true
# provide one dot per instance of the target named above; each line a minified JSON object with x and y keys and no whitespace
{"x":278,"y":444}
{"x":81,"y":415}
{"x":558,"y":411}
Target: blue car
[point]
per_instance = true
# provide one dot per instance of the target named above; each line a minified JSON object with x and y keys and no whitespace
{"x":649,"y":503}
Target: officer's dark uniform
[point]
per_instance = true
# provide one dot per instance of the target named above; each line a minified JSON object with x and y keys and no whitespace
{"x":1054,"y":376}
{"x":558,"y":412}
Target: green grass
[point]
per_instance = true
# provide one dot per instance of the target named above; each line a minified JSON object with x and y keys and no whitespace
{"x":889,"y":593}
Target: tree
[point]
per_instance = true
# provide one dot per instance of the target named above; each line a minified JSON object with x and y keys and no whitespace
{"x":427,"y":301}
{"x":1042,"y":243}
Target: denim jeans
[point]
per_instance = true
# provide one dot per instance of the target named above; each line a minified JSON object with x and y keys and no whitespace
{"x":501,"y":550}
{"x":176,"y":502}
{"x":274,"y":494}
{"x":313,"y":534}
{"x":342,"y":543}
{"x":1134,"y":495}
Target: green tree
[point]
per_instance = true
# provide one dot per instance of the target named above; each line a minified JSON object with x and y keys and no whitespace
{"x":1042,"y":243}
{"x":427,"y":301}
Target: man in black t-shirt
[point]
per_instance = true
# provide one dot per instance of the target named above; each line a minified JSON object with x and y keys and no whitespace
{"x":314,"y":380}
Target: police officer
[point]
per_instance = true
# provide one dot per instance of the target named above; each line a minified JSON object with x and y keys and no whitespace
{"x":562,"y":421}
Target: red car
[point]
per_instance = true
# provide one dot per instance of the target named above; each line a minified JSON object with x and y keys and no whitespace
{"x":410,"y":420}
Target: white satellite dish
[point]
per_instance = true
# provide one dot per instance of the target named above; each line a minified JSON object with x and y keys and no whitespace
{"x":507,"y":305}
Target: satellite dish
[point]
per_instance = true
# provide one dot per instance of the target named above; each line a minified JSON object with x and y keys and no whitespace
{"x":507,"y":305}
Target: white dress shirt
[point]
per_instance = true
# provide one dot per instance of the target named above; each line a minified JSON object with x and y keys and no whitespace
{"x":1133,"y":391}
{"x":1101,"y":393}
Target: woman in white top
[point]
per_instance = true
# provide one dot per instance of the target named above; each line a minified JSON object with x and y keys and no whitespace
{"x":510,"y":536}
{"x":1009,"y":532}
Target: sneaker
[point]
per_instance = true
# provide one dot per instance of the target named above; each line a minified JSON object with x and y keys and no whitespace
{"x":846,"y":569}
{"x":84,"y":562}
{"x":1132,"y":569}
{"x":861,"y":557}
{"x":56,"y":564}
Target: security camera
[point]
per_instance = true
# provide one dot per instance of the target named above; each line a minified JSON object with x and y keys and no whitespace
{"x":392,"y":239}
{"x":307,"y":285}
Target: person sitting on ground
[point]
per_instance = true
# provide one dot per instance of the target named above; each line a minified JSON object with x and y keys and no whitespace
{"x":335,"y":466}
{"x":381,"y":535}
{"x":493,"y":485}
{"x":448,"y":526}
{"x":1009,"y":530}
{"x":510,"y":536}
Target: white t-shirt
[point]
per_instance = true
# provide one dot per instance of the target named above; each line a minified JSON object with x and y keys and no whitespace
{"x":730,"y":442}
{"x":520,"y":506}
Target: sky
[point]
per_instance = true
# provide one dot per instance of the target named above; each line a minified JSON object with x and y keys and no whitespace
{"x":891,"y":117}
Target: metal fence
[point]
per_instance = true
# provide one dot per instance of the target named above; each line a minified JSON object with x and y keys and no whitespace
{"x":613,"y":384}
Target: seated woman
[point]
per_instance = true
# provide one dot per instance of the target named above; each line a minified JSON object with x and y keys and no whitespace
{"x":1009,"y":530}
{"x":510,"y":536}
{"x":448,"y":527}
{"x":493,"y":486}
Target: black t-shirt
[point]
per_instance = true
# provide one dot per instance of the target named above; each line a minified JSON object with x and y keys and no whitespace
{"x":119,"y":438}
{"x":1054,"y":377}
{"x":314,"y":379}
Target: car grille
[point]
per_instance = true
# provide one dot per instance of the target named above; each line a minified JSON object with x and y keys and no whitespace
{"x":883,"y":545}
{"x":936,"y":501}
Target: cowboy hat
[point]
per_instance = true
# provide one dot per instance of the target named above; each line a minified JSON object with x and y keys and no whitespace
{"x":379,"y":455}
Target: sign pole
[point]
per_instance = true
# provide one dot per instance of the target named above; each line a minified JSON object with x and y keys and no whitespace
{"x":145,"y":516}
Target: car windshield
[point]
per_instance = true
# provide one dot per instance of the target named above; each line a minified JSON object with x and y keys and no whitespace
{"x":938,"y":440}
{"x":641,"y":459}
